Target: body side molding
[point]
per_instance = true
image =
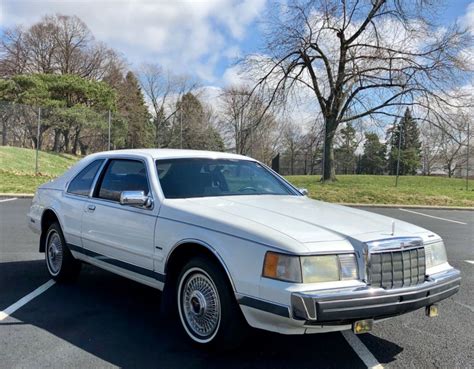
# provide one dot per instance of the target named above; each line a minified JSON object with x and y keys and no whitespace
{"x":118,"y":263}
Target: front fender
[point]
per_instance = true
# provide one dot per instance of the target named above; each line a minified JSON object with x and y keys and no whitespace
{"x":242,"y":259}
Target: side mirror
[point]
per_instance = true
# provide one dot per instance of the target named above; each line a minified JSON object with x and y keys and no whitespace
{"x":303,"y":191}
{"x":136,"y":198}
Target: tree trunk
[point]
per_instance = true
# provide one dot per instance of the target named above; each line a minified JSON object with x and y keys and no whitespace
{"x":75,"y":145}
{"x":292,"y":163}
{"x":237,"y":141}
{"x":57,"y":133}
{"x":450,"y":171}
{"x":84,"y":148}
{"x":4,"y":132}
{"x":66,"y":140}
{"x":158,"y":132}
{"x":329,"y":171}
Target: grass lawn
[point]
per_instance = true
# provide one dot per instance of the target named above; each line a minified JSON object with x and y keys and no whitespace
{"x":411,"y":190}
{"x":17,"y":175}
{"x":17,"y":168}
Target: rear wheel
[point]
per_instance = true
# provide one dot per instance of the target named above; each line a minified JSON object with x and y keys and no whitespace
{"x":207,"y":308}
{"x":60,"y":263}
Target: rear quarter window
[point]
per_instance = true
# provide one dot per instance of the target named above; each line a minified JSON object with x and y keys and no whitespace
{"x":82,"y":182}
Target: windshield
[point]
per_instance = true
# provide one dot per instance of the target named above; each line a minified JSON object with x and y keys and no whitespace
{"x":193,"y":177}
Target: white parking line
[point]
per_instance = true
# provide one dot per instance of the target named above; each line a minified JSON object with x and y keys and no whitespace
{"x":5,"y":200}
{"x":432,"y":216}
{"x":469,"y":261}
{"x":361,"y":350}
{"x":464,"y":305}
{"x":23,"y":301}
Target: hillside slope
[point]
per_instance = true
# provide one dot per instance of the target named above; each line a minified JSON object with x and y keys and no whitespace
{"x":17,"y":168}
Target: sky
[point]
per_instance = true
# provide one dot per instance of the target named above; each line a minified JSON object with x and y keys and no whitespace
{"x":202,"y":38}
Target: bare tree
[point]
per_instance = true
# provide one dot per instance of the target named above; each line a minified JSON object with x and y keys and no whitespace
{"x":163,"y":90}
{"x":431,"y":137}
{"x":56,"y":44}
{"x":245,"y":120}
{"x":312,"y":147}
{"x":358,"y":59}
{"x":13,"y":52}
{"x":40,"y":43}
{"x":292,"y":143}
{"x":452,"y":140}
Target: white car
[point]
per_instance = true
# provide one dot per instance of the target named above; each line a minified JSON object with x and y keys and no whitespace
{"x":231,"y":242}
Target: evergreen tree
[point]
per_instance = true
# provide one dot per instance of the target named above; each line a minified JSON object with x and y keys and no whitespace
{"x":407,"y":131}
{"x":72,"y":107}
{"x":191,"y":129}
{"x":346,"y":160}
{"x":132,"y":108}
{"x":373,"y":159}
{"x":412,"y":149}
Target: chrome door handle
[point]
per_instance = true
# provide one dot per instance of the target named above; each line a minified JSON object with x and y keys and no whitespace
{"x":91,"y":207}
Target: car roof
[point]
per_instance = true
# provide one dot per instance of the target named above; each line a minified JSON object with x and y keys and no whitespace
{"x":172,"y":154}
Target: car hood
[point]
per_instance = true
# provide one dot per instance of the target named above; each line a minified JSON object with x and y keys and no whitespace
{"x":285,"y":220}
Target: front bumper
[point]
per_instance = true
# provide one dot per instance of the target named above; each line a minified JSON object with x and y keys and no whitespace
{"x":345,"y":306}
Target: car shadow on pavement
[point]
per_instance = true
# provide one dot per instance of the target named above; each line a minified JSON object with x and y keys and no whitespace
{"x":18,"y":278}
{"x":119,"y":321}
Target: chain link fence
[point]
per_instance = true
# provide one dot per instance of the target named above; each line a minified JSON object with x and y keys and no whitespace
{"x":80,"y":131}
{"x":77,"y":131}
{"x":74,"y":130}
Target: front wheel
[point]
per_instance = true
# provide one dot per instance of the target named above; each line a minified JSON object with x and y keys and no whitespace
{"x":61,"y":264}
{"x":207,"y":308}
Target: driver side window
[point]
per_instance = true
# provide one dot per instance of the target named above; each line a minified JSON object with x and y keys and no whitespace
{"x":122,"y":175}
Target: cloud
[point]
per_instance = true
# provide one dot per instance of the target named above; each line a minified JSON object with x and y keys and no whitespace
{"x":467,"y":20}
{"x":187,"y":36}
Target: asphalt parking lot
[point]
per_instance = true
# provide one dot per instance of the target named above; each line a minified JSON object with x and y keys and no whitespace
{"x":105,"y":321}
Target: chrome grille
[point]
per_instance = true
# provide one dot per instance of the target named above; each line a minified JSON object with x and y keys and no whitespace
{"x":397,"y":268}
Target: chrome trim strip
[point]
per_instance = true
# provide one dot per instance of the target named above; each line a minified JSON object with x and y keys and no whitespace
{"x":396,"y":243}
{"x":389,"y":303}
{"x":450,"y":276}
{"x":96,"y":178}
{"x":368,"y":300}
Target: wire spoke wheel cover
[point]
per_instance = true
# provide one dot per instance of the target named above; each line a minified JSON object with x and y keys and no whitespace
{"x":54,"y":252}
{"x":199,"y":305}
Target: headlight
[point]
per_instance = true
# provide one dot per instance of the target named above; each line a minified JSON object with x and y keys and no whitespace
{"x":320,"y":268}
{"x":310,"y":269}
{"x":435,"y":254}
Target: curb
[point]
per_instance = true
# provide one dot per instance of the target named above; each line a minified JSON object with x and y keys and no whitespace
{"x":17,"y":195}
{"x":354,"y":205}
{"x":396,"y":206}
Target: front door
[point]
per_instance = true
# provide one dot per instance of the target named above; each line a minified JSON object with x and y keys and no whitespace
{"x":120,"y":237}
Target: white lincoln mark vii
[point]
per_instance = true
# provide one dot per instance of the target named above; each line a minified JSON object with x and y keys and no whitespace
{"x":230,"y":242}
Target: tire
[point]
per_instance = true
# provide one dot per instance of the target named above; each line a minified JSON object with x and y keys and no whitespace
{"x":207,"y":308}
{"x":60,"y":263}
